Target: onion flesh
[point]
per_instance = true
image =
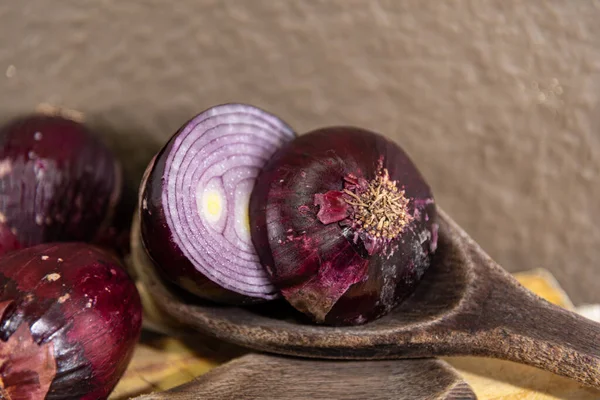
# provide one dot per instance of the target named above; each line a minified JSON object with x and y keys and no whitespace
{"x":344,"y":224}
{"x":194,"y":203}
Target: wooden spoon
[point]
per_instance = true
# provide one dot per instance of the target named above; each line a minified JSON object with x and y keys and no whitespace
{"x":465,"y":305}
{"x":257,"y":376}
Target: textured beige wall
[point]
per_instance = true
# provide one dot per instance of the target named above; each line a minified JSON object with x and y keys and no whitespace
{"x":497,"y":101}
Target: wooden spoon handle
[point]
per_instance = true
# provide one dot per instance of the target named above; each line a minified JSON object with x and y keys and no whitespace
{"x":499,"y":318}
{"x":523,"y":327}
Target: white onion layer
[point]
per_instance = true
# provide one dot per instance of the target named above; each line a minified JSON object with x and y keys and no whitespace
{"x":208,"y":178}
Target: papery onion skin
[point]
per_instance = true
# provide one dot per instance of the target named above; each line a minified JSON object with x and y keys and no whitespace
{"x":73,"y":306}
{"x":211,"y":161}
{"x":58,"y":183}
{"x":303,"y":229}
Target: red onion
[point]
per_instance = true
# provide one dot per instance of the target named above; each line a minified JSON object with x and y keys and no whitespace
{"x":344,"y":224}
{"x":194,"y":203}
{"x":70,"y":317}
{"x":58,"y":182}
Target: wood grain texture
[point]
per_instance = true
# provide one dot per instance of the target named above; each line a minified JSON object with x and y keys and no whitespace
{"x":161,"y":362}
{"x":257,"y":376}
{"x":495,"y":100}
{"x":465,"y":305}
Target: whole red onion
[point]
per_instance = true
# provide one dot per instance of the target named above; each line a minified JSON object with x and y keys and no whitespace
{"x":194,"y":203}
{"x":58,"y":182}
{"x":70,"y":317}
{"x":344,"y":224}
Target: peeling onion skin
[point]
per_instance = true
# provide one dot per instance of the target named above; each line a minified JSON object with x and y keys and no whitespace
{"x":58,"y":183}
{"x":73,"y":306}
{"x":303,"y":226}
{"x":211,"y":161}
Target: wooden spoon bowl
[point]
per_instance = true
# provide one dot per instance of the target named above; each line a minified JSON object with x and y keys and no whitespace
{"x":262,"y":377}
{"x":466,"y":305}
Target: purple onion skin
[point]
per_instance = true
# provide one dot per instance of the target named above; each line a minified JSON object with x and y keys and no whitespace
{"x":159,"y":236}
{"x":58,"y":183}
{"x":74,"y":312}
{"x":324,"y":264}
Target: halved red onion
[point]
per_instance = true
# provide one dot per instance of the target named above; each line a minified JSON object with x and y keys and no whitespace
{"x":344,"y":223}
{"x":194,"y":202}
